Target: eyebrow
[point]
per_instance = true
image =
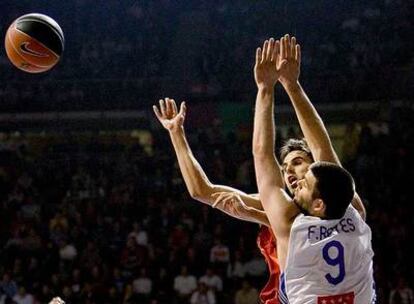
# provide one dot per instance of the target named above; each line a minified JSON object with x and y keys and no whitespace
{"x":295,"y":158}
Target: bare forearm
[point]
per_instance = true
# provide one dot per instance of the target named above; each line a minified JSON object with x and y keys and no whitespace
{"x":311,"y":124}
{"x":196,"y":180}
{"x":266,"y":165}
{"x":263,"y":131}
{"x":268,"y":174}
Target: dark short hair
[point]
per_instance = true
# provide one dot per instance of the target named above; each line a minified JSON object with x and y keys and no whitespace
{"x":294,"y":144}
{"x":335,"y":186}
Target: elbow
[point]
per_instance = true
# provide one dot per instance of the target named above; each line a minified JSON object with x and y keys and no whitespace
{"x":195,"y":193}
{"x":200,"y":192}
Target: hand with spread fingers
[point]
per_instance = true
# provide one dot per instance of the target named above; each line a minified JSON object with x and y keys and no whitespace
{"x":230,"y":202}
{"x":168,"y":115}
{"x":291,"y":54}
{"x":57,"y":300}
{"x":269,"y":64}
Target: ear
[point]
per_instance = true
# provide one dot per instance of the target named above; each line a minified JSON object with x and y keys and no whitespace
{"x":318,"y":206}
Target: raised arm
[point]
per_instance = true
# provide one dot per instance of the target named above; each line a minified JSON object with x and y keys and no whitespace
{"x":310,"y":122}
{"x":275,"y":201}
{"x":197,"y":182}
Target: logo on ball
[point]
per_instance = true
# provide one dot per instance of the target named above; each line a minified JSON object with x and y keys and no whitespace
{"x":25,"y":47}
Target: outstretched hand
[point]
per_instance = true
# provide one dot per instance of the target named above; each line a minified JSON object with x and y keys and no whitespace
{"x":168,"y":115}
{"x":231,"y":203}
{"x":290,"y":53}
{"x":269,"y":64}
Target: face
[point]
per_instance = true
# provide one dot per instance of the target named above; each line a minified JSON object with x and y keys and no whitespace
{"x":304,"y":195}
{"x":294,"y":166}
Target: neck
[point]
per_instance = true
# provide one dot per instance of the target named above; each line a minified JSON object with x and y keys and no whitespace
{"x":302,"y":210}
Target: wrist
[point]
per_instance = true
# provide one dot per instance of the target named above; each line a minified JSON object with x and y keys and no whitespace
{"x":176,"y":131}
{"x":265,"y":89}
{"x":291,"y":86}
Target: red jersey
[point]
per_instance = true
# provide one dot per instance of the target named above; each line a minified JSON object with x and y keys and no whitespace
{"x":266,"y":242}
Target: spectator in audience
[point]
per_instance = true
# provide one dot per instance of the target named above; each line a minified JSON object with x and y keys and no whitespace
{"x":255,"y":267}
{"x":203,"y":295}
{"x":236,"y":270}
{"x":142,"y":287}
{"x":8,"y":286}
{"x":246,"y":294}
{"x":212,"y":280}
{"x":401,"y":293}
{"x":219,"y":254}
{"x":140,"y":235}
{"x":22,"y":297}
{"x":184,"y":285}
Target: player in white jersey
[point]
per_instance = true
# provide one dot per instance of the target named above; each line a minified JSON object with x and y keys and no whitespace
{"x":324,"y":245}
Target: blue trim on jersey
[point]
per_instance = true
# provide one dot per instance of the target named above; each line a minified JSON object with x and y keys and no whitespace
{"x":374,"y":297}
{"x":283,"y":299}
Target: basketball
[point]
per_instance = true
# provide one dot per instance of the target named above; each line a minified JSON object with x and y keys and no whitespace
{"x":34,"y":43}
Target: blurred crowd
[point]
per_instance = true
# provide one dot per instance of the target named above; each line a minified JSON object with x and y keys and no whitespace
{"x":119,"y":53}
{"x":103,"y":222}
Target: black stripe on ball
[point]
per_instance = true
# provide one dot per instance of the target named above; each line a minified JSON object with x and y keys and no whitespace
{"x":44,"y":19}
{"x":42,"y":32}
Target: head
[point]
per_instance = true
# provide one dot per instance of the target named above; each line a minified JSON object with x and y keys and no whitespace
{"x":209,"y":271}
{"x":202,"y":287}
{"x":296,"y":158}
{"x":246,"y":285}
{"x":325,"y":191}
{"x":22,"y":291}
{"x":6,"y":277}
{"x":184,"y":270}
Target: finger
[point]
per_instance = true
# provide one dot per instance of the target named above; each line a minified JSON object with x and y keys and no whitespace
{"x":174,"y":108}
{"x":270,"y":49}
{"x":226,"y":197}
{"x":216,"y":194}
{"x":282,"y":48}
{"x":293,"y":47}
{"x":287,"y":46}
{"x":298,"y":54}
{"x":217,"y":202}
{"x":181,"y":114}
{"x":168,"y":106}
{"x":258,"y":55}
{"x":162,"y":106}
{"x":218,"y":199}
{"x":157,"y":112}
{"x":264,"y":51}
{"x":276,"y":49}
{"x":183,"y":110}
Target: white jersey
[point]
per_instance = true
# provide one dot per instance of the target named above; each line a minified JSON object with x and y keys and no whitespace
{"x":329,"y":261}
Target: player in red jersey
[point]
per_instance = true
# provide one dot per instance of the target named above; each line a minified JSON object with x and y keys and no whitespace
{"x":234,"y":202}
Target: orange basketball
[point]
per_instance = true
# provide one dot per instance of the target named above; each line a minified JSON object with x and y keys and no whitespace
{"x":34,"y":43}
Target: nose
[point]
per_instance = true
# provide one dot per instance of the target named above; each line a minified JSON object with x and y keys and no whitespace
{"x":289,"y":168}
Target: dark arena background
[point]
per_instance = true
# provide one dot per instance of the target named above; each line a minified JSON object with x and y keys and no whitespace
{"x":93,"y":206}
